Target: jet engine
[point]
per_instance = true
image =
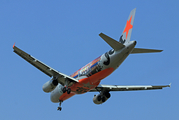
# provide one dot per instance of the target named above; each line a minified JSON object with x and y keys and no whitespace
{"x":50,"y":85}
{"x":101,"y":98}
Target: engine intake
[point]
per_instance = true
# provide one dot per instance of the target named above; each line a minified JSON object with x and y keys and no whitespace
{"x":101,"y":98}
{"x":50,"y":85}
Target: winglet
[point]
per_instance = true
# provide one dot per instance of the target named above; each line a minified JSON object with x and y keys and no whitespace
{"x":170,"y":85}
{"x":14,"y":45}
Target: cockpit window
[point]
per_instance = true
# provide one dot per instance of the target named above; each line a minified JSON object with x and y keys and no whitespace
{"x":111,"y":52}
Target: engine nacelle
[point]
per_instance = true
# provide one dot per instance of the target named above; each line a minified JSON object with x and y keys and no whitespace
{"x":50,"y":85}
{"x":101,"y":98}
{"x":56,"y":93}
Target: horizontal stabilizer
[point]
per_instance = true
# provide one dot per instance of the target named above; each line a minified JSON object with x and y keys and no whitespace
{"x":141,"y":50}
{"x":113,"y":43}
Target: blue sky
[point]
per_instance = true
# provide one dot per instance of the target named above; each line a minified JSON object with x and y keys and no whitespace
{"x":64,"y":35}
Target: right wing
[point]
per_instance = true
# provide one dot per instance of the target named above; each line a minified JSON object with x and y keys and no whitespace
{"x":43,"y":67}
{"x":127,"y":88}
{"x":141,"y":50}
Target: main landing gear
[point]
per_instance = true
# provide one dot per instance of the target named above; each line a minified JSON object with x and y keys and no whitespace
{"x":66,"y":89}
{"x":60,"y":108}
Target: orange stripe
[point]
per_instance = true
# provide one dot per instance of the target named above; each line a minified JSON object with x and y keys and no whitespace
{"x":93,"y":80}
{"x":100,"y":75}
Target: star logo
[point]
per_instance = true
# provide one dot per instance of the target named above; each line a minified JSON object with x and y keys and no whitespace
{"x":88,"y":85}
{"x":128,"y":27}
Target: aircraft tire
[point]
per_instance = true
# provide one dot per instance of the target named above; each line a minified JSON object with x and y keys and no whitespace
{"x":68,"y":91}
{"x":64,"y":90}
{"x":59,"y":108}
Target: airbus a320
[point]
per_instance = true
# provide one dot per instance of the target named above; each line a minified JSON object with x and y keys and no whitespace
{"x":88,"y":78}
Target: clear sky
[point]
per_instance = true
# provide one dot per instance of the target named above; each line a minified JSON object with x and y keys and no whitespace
{"x":64,"y":35}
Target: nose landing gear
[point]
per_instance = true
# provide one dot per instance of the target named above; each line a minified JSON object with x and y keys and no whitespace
{"x":60,"y":108}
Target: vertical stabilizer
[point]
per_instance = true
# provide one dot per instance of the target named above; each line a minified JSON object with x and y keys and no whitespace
{"x":126,"y":34}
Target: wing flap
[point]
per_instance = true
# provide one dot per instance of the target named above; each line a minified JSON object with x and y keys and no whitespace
{"x":127,"y":88}
{"x":43,"y":67}
{"x":113,"y":43}
{"x":141,"y":50}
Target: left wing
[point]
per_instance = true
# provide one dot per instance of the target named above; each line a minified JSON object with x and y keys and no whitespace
{"x":127,"y":88}
{"x":43,"y":67}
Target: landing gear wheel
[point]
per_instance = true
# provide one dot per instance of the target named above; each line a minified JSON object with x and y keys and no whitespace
{"x":68,"y":91}
{"x":64,"y":89}
{"x":59,"y":108}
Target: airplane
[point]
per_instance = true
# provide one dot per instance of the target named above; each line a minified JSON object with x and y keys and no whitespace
{"x":88,"y":78}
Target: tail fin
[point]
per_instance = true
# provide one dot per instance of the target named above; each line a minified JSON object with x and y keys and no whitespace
{"x":126,"y":34}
